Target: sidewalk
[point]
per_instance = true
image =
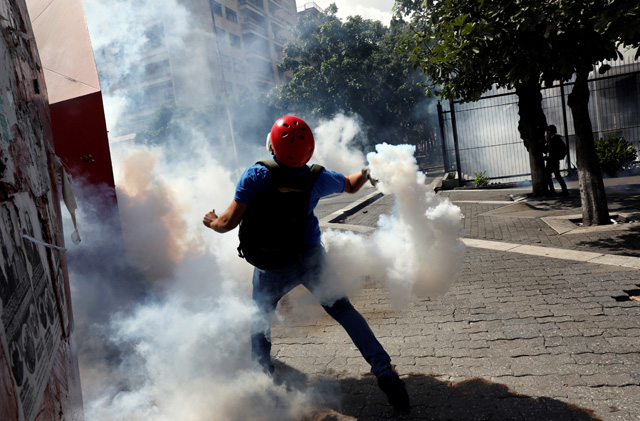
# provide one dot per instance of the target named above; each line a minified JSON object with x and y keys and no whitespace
{"x":520,"y":336}
{"x":541,"y":221}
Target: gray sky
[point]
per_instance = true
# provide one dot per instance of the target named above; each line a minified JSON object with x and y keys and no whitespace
{"x":369,"y":9}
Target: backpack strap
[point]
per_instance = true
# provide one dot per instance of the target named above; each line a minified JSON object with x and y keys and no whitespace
{"x":271,"y":164}
{"x":314,"y":171}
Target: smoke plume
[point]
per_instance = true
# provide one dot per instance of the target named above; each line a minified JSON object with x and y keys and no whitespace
{"x":162,"y":304}
{"x":418,"y":246}
{"x":171,"y":338}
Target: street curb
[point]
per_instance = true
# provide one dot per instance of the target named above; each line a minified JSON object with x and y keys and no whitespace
{"x":556,"y":253}
{"x":333,"y":220}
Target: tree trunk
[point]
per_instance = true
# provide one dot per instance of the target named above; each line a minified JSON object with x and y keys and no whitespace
{"x":532,"y":126}
{"x":594,"y":201}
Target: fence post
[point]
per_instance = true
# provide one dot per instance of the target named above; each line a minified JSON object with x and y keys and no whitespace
{"x":455,"y":140}
{"x":566,"y":129}
{"x":445,"y":155}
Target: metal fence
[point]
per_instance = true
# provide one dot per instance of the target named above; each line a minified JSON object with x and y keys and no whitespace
{"x":483,"y":136}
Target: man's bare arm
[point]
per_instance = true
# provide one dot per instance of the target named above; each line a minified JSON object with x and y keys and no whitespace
{"x":229,"y":218}
{"x":356,"y":180}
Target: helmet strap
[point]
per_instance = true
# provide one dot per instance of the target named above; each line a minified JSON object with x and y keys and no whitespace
{"x":268,"y":145}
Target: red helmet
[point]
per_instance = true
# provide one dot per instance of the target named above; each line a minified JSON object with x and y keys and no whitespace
{"x":292,"y":141}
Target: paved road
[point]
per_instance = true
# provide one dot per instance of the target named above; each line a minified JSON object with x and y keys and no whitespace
{"x":519,"y":336}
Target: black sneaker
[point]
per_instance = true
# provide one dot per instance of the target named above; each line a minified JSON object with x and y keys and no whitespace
{"x":394,"y":388}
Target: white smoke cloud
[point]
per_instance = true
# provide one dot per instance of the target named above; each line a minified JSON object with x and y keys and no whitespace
{"x":163,"y":330}
{"x":418,"y":246}
{"x":192,"y":364}
{"x":335,"y":148}
{"x":179,"y":347}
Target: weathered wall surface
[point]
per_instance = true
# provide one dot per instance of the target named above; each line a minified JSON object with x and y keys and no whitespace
{"x":38,"y":366}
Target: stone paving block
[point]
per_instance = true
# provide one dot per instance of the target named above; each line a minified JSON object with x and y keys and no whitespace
{"x":487,"y":335}
{"x":524,"y":368}
{"x":434,"y":361}
{"x":630,"y":332}
{"x":567,"y":332}
{"x":609,"y":380}
{"x":522,"y":332}
{"x":570,"y":350}
{"x":610,"y":401}
{"x":607,"y":358}
{"x":521,"y":385}
{"x":554,"y":341}
{"x":589,"y":331}
{"x":580,"y":341}
{"x":417,"y":352}
{"x":560,"y":384}
{"x":462,"y":352}
{"x":606,"y":347}
{"x":628,"y":342}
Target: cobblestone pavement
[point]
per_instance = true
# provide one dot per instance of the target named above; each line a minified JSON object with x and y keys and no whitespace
{"x":517,"y":337}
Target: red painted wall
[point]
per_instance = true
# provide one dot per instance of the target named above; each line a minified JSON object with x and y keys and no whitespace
{"x":80,"y":139}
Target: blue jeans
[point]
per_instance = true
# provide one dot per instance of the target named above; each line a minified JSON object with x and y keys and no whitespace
{"x":269,"y":286}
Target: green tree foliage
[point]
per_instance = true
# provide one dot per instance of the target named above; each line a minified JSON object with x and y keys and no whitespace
{"x":467,"y":46}
{"x":351,"y":67}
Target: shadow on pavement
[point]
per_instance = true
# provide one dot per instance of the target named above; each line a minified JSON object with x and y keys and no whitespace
{"x":626,"y":243}
{"x":572,"y":201}
{"x":431,"y":399}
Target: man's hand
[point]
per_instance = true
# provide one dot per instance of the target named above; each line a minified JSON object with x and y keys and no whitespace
{"x":229,"y":218}
{"x":366,"y":172}
{"x":209,"y":218}
{"x":356,"y":180}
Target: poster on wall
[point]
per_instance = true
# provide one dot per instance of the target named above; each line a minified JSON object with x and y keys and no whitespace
{"x":30,"y":310}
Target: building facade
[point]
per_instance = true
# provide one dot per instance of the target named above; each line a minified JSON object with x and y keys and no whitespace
{"x":228,"y":46}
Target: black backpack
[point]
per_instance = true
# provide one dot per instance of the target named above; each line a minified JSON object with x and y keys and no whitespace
{"x":558,"y":148}
{"x":273,"y":226}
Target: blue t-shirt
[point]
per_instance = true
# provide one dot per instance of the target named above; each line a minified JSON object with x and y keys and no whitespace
{"x":254,"y":180}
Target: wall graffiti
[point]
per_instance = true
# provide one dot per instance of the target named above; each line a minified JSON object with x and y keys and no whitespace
{"x":35,"y":315}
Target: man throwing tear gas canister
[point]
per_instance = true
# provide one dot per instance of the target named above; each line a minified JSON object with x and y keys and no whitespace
{"x":280,"y":235}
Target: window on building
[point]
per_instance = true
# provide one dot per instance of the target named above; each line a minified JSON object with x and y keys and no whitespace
{"x":158,"y":69}
{"x":238,"y":65}
{"x":154,"y":36}
{"x":216,"y":8}
{"x":221,"y":35}
{"x":231,"y":15}
{"x":226,"y":61}
{"x":234,"y":40}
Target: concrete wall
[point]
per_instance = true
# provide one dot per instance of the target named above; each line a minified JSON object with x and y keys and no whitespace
{"x":38,"y":366}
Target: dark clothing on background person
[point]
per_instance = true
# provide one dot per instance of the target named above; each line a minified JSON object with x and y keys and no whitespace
{"x":556,"y":150}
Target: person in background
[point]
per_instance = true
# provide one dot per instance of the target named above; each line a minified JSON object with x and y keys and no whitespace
{"x":280,"y":235}
{"x":556,"y":151}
